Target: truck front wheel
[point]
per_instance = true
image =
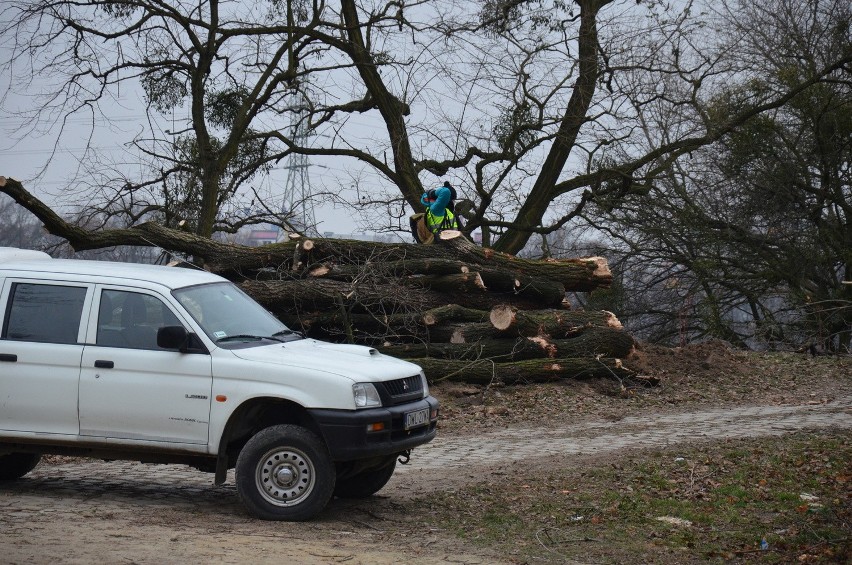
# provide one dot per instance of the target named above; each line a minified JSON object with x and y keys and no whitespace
{"x":284,"y":472}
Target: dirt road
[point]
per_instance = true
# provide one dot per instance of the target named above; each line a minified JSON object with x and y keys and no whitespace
{"x":82,"y":511}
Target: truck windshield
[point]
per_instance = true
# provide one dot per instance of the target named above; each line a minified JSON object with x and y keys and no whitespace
{"x":228,"y":315}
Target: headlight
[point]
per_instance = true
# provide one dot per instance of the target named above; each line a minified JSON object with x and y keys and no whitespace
{"x":425,"y":384}
{"x":366,"y":395}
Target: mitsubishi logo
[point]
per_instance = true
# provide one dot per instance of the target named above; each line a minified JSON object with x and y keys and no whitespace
{"x":404,"y":385}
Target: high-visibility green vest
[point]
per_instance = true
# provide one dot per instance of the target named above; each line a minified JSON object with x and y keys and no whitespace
{"x":437,"y":223}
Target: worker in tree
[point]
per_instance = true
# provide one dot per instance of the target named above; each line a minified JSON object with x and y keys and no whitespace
{"x":439,"y":215}
{"x":440,"y":208}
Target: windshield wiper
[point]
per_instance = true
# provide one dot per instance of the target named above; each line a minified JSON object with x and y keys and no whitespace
{"x":288,"y":331}
{"x":248,"y":336}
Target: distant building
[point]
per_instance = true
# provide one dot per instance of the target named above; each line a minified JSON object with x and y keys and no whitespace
{"x":256,"y":238}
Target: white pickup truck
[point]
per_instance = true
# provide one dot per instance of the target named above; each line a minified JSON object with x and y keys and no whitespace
{"x":170,"y":365}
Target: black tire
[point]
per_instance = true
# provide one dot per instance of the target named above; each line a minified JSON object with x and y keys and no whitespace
{"x":365,"y":484}
{"x":284,"y":473}
{"x":16,"y":465}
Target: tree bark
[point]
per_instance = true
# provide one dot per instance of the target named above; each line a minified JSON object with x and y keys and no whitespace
{"x":367,"y":329}
{"x":453,"y":313}
{"x":484,"y":371}
{"x":558,"y":324}
{"x":608,"y":342}
{"x":317,"y":295}
{"x":450,"y":284}
{"x":393,"y":295}
{"x":461,"y":333}
{"x":578,"y":275}
{"x":548,"y":293}
{"x":401,"y":268}
{"x":543,"y":190}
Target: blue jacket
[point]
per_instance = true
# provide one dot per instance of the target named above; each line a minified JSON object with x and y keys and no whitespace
{"x":439,"y":206}
{"x":437,"y":210}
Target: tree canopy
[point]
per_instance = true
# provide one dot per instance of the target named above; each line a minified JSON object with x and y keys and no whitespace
{"x":756,"y":228}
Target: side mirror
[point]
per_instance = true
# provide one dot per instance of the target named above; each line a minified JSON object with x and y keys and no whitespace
{"x":172,"y":337}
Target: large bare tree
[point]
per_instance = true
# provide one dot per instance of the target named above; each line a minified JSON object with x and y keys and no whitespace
{"x":534,"y":108}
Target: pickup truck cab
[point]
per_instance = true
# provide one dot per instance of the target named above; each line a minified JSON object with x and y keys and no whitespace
{"x":172,"y":365}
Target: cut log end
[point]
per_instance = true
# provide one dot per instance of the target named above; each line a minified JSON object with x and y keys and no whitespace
{"x":307,"y":245}
{"x":612,"y":321}
{"x":447,"y":235}
{"x":2,"y":181}
{"x":601,"y":267}
{"x":502,"y":316}
{"x":545,"y":344}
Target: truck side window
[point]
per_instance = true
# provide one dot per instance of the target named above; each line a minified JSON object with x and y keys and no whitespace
{"x":44,"y":313}
{"x":131,"y":319}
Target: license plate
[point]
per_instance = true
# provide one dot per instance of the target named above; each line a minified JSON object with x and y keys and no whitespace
{"x":416,"y":418}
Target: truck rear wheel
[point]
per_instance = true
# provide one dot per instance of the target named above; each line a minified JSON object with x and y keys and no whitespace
{"x":284,"y":473}
{"x":16,"y":465}
{"x":366,"y":483}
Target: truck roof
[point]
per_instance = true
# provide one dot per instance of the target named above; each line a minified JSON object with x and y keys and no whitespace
{"x":25,"y":260}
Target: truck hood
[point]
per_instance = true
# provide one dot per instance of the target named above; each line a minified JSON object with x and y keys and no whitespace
{"x":357,"y":362}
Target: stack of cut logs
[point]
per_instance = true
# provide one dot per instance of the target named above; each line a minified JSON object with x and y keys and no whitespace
{"x":460,"y":311}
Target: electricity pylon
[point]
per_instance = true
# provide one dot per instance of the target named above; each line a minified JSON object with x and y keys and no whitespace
{"x":298,"y":205}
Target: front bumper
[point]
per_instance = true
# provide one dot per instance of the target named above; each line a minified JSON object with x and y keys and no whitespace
{"x":345,"y":431}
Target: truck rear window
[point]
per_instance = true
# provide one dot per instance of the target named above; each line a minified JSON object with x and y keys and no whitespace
{"x":44,"y":313}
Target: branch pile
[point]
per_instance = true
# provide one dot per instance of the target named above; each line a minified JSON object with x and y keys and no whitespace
{"x":460,"y":311}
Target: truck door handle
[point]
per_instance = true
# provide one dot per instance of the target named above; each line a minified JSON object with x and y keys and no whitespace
{"x":100,"y":364}
{"x":10,"y":357}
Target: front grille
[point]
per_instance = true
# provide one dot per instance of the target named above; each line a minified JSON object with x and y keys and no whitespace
{"x":404,"y":386}
{"x":400,"y":391}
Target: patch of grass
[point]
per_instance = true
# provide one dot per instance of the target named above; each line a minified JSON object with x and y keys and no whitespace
{"x":713,"y":502}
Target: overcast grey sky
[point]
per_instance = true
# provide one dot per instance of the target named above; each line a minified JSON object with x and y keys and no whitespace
{"x":48,"y":165}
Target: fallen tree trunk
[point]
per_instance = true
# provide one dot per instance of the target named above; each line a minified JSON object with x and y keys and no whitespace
{"x":367,"y":329}
{"x":308,"y":295}
{"x":450,"y":284}
{"x":299,"y":295}
{"x":576,"y":274}
{"x":507,"y":318}
{"x":461,"y":333}
{"x":519,"y":372}
{"x":557,"y":324}
{"x":453,"y":313}
{"x":547,"y":293}
{"x":395,"y":326}
{"x":608,"y":342}
{"x":404,"y":267}
{"x":238,"y":261}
